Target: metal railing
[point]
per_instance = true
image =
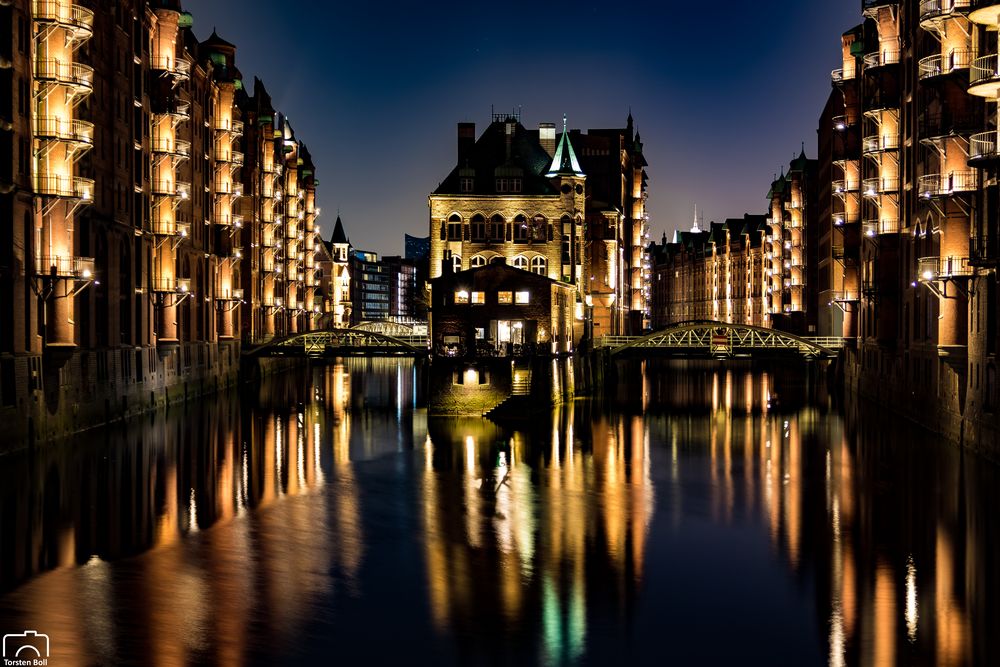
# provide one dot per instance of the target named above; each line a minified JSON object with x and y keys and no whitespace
{"x":74,"y":74}
{"x":841,"y":218}
{"x":844,"y":296}
{"x":722,"y":338}
{"x":873,"y":187}
{"x":942,"y":185}
{"x":932,"y":9}
{"x":65,"y":130}
{"x":65,"y":13}
{"x":177,"y":147}
{"x":844,"y":186}
{"x":65,"y":186}
{"x":872,"y":228}
{"x":876,"y":143}
{"x":65,"y":266}
{"x":178,"y":67}
{"x":843,"y":74}
{"x":881,"y":58}
{"x":940,"y":65}
{"x":983,"y":146}
{"x":985,"y":69}
{"x":943,"y":268}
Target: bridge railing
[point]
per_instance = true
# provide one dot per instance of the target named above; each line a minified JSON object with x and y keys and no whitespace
{"x":701,"y":338}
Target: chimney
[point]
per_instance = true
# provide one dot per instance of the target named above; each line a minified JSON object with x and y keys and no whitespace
{"x":547,"y":137}
{"x":466,"y":141}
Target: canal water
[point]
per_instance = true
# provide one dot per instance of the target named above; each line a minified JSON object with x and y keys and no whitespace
{"x":705,"y":515}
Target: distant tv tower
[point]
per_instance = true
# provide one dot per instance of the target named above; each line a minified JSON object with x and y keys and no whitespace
{"x":695,"y":229}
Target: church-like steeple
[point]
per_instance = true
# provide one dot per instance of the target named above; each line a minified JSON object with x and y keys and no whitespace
{"x":564,"y":162}
{"x":338,"y":232}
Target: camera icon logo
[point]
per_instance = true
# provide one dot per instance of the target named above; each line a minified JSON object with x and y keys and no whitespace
{"x":27,"y":644}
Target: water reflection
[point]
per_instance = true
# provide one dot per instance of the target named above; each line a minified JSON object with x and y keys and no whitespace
{"x":325,"y":513}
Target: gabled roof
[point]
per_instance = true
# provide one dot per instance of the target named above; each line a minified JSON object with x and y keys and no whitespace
{"x":564,"y":162}
{"x":519,"y":155}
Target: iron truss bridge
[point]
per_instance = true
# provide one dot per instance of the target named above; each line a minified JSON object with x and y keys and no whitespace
{"x":342,"y":343}
{"x":720,"y":339}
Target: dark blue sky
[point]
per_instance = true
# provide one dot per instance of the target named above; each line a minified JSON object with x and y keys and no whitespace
{"x":722,"y":92}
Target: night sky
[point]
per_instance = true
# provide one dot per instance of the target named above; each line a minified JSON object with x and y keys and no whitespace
{"x":723,"y":93}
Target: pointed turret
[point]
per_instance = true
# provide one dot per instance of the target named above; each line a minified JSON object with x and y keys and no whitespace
{"x":564,"y":162}
{"x":695,"y":229}
{"x":338,"y":232}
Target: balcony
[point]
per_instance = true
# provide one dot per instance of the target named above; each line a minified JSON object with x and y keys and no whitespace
{"x":76,"y":131}
{"x":871,"y":7}
{"x":228,"y":187}
{"x":178,"y":148}
{"x":841,"y":219}
{"x":179,"y":68}
{"x":72,"y":187}
{"x":234,"y":158}
{"x":75,"y":75}
{"x":984,"y":79}
{"x":842,"y":75}
{"x":172,"y":228}
{"x":984,"y":251}
{"x":843,"y":187}
{"x":165,"y":188}
{"x":841,"y":123}
{"x":232,"y":126}
{"x":69,"y":267}
{"x":228,"y":220}
{"x":945,"y":185}
{"x":881,"y":58}
{"x":939,"y":65}
{"x":938,"y":125}
{"x":844,"y":296}
{"x":932,"y":11}
{"x":880,"y":143}
{"x":77,"y":20}
{"x":874,"y":228}
{"x":171,"y":285}
{"x":874,"y":187}
{"x":986,"y":12}
{"x":983,"y":148}
{"x":943,"y":268}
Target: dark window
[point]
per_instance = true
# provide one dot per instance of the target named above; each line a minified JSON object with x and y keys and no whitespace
{"x":465,"y":184}
{"x":478,"y":228}
{"x":496,"y":228}
{"x":455,"y":228}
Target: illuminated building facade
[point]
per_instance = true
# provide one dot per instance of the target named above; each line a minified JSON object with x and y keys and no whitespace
{"x":135,"y":248}
{"x":721,"y":273}
{"x":918,"y":86}
{"x":529,"y":197}
{"x":498,"y":310}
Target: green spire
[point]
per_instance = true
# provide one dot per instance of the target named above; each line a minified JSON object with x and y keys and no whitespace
{"x":564,"y":162}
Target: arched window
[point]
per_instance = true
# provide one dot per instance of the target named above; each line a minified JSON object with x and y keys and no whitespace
{"x":567,"y":240}
{"x":496,"y":228}
{"x":521,"y":231}
{"x":455,"y":227}
{"x":538,"y":228}
{"x":521,"y":262}
{"x":456,"y":263}
{"x":478,"y":228}
{"x":539,"y":265}
{"x":477,"y":261}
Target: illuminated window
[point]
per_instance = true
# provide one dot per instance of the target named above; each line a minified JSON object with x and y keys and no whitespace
{"x":505,"y":297}
{"x":522,"y":297}
{"x":456,"y":263}
{"x":539,"y":227}
{"x":521,"y":231}
{"x":461,"y":296}
{"x":480,"y":333}
{"x":539,"y":265}
{"x":477,"y":261}
{"x":479,"y":298}
{"x":521,"y":262}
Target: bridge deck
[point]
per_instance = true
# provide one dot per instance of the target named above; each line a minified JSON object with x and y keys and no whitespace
{"x":722,"y":339}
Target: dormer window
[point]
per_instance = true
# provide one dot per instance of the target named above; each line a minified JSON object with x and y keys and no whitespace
{"x":502,"y":184}
{"x":465,"y":184}
{"x":515,"y":185}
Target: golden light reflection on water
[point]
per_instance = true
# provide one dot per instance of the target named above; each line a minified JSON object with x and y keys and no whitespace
{"x":250,"y":520}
